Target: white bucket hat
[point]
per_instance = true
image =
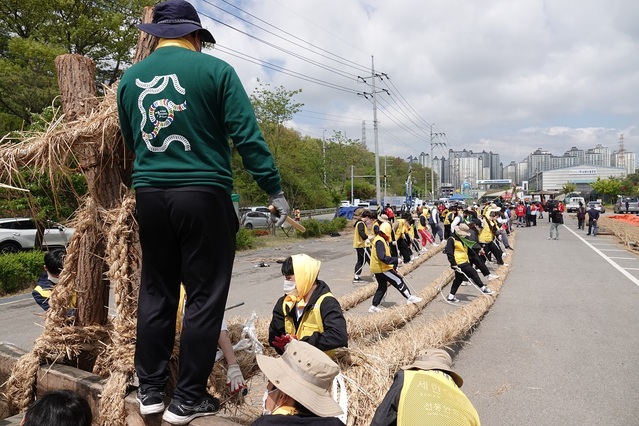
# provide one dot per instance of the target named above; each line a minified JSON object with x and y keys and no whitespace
{"x":306,"y":374}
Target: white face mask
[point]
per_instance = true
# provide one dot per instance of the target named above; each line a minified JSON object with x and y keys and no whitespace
{"x":266,"y":412}
{"x":289,"y":286}
{"x":53,"y":279}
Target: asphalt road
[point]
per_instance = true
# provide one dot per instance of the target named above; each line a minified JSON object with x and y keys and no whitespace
{"x":559,"y":347}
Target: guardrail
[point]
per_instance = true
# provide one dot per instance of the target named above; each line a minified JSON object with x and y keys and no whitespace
{"x":316,"y":212}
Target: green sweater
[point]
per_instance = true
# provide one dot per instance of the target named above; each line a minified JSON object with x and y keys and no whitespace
{"x":177,"y":109}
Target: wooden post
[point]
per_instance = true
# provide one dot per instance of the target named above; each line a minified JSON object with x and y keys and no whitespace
{"x":146,"y":42}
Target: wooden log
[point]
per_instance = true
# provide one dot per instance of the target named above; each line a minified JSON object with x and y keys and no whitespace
{"x":76,"y":80}
{"x":146,"y":42}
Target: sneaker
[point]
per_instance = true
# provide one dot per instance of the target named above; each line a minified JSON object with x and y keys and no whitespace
{"x":151,"y":402}
{"x":556,"y":238}
{"x":452,"y":298}
{"x":357,"y":279}
{"x":492,"y":277}
{"x":465,"y":283}
{"x":182,"y":413}
{"x":549,"y":238}
{"x":413,"y":299}
{"x":374,"y":309}
{"x":486,"y":290}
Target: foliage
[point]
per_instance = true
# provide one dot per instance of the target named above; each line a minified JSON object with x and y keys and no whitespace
{"x":609,"y":188}
{"x":19,"y":271}
{"x":244,"y":239}
{"x":34,"y":32}
{"x":315,"y":228}
{"x":568,"y":188}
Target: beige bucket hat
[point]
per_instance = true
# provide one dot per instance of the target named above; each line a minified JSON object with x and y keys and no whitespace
{"x":306,"y":374}
{"x":435,"y":359}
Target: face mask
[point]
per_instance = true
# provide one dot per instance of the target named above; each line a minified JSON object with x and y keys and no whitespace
{"x":289,"y":286}
{"x":266,"y":412}
{"x":53,"y":279}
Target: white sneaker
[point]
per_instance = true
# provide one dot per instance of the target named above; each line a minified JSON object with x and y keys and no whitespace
{"x":486,"y":290}
{"x":452,"y":298}
{"x":413,"y":299}
{"x":374,"y":309}
{"x":465,"y":282}
{"x":492,"y":277}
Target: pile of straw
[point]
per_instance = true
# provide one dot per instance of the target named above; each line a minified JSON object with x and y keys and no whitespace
{"x":626,"y":232}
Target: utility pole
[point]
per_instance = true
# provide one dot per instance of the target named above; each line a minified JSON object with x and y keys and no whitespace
{"x":375,"y":126}
{"x":324,"y":155}
{"x":432,"y":162}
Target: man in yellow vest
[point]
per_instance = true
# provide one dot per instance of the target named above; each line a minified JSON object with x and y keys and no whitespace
{"x":489,"y":231}
{"x":427,"y":392}
{"x":383,"y":266}
{"x":459,"y":252}
{"x":361,"y":240}
{"x":308,"y":311}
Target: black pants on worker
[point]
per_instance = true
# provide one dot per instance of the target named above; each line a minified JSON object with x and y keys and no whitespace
{"x":385,"y":278}
{"x":491,"y":247}
{"x":467,"y":269}
{"x":187,"y":236}
{"x":363,"y":256}
{"x":404,"y":249}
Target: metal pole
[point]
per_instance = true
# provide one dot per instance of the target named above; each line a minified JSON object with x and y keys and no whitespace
{"x":375,"y":133}
{"x":352,"y":173}
{"x":324,"y":155}
{"x":432,"y":163}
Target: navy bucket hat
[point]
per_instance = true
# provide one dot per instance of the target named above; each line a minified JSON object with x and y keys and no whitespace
{"x":175,"y":19}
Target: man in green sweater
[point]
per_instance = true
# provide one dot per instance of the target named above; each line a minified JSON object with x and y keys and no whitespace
{"x":178,"y":108}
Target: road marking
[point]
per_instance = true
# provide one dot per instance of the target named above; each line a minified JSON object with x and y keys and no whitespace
{"x":623,"y":258}
{"x":631,"y":269}
{"x":599,"y":252}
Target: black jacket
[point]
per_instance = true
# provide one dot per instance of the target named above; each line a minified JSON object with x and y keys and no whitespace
{"x":334,"y":335}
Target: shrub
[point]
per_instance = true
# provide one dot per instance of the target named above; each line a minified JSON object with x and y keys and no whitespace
{"x":315,"y":228}
{"x":19,"y":271}
{"x":244,"y":239}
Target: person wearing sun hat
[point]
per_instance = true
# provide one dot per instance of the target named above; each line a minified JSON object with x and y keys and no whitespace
{"x":459,"y":250}
{"x":178,"y":108}
{"x":489,"y":232}
{"x":428,"y":382}
{"x":299,"y":387}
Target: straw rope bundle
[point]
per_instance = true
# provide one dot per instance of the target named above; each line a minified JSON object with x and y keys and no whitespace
{"x":116,"y":362}
{"x":626,"y":232}
{"x":61,"y":339}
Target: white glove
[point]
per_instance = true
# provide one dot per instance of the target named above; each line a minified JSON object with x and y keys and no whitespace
{"x":234,"y":378}
{"x":282,"y":208}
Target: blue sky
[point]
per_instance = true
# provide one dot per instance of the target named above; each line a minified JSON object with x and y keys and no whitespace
{"x":501,"y":75}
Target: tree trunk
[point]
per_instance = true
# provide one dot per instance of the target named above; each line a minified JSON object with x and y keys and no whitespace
{"x":76,"y":80}
{"x":146,"y":42}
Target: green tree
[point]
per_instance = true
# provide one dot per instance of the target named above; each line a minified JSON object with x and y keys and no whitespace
{"x":34,"y":32}
{"x":568,"y":188}
{"x":609,"y":188}
{"x":272,"y":109}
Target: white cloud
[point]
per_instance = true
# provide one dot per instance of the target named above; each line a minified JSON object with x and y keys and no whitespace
{"x":496,"y":75}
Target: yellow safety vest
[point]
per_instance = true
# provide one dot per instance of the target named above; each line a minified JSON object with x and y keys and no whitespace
{"x":461,"y":252}
{"x":432,"y":398}
{"x":377,"y":265}
{"x":46,"y":293}
{"x":310,"y":323}
{"x":358,"y":242}
{"x":426,"y":215}
{"x":486,"y":234}
{"x":448,"y":219}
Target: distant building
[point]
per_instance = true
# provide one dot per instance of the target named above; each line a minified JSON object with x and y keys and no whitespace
{"x":582,"y":176}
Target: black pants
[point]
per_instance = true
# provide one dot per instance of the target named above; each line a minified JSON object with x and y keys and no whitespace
{"x":479,"y":263}
{"x":187,"y":235}
{"x":363,"y":256}
{"x":446,"y":231}
{"x":491,"y":247}
{"x":436,"y":230}
{"x":404,"y":249}
{"x":467,"y":269}
{"x":383,"y":279}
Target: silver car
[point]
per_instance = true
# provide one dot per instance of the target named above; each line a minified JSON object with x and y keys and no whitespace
{"x":19,"y":233}
{"x":256,"y":219}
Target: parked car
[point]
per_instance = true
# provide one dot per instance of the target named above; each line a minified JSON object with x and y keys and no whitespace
{"x":255,"y":219}
{"x":597,"y":205}
{"x":573,"y":204}
{"x":19,"y":233}
{"x":620,"y":205}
